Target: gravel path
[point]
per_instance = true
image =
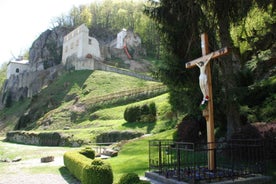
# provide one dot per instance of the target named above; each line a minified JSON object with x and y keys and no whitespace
{"x":17,"y":173}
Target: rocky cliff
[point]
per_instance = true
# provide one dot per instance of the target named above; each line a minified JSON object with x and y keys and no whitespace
{"x":47,"y":48}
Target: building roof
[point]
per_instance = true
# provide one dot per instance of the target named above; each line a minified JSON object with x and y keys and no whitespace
{"x":23,"y":62}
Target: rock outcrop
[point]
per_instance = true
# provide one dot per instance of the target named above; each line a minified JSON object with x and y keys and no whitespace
{"x":47,"y":48}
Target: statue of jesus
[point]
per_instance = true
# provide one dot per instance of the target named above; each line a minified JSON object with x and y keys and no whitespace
{"x":203,"y":78}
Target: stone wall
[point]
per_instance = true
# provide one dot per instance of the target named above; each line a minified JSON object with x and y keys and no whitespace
{"x":42,"y":139}
{"x":75,"y":63}
{"x":108,"y":68}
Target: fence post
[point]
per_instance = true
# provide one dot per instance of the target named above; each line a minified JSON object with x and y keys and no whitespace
{"x":178,"y":161}
{"x":160,"y":156}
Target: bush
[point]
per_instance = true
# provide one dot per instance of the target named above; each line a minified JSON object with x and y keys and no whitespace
{"x":75,"y":163}
{"x":190,"y":130}
{"x":152,"y":109}
{"x":129,"y":178}
{"x":132,"y":114}
{"x":144,"y":113}
{"x":88,"y":152}
{"x":98,"y":172}
{"x":88,"y":171}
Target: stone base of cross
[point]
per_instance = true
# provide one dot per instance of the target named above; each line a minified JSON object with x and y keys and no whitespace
{"x":205,"y":82}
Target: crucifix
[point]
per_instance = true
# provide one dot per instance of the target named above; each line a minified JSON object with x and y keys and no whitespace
{"x":205,"y":82}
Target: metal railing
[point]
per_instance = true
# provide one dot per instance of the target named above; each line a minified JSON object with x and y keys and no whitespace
{"x":185,"y":161}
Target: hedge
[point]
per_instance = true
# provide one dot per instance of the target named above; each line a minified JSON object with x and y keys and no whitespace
{"x":88,"y":171}
{"x":116,"y":136}
{"x":97,"y":173}
{"x":49,"y":139}
{"x":142,"y":113}
{"x":88,"y":152}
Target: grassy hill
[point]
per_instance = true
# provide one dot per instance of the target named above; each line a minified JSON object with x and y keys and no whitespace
{"x":86,"y":104}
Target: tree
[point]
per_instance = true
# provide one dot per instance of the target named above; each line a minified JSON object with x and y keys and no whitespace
{"x":180,"y":23}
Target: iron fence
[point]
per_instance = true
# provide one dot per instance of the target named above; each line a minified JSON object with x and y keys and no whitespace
{"x":185,"y":161}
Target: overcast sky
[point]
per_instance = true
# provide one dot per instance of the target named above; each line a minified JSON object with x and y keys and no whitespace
{"x":22,"y":21}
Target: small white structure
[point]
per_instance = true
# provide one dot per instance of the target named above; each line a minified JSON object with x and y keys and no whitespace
{"x":79,"y":43}
{"x":17,"y":67}
{"x":120,"y":39}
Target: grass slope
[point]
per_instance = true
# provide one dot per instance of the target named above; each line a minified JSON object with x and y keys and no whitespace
{"x":89,"y":102}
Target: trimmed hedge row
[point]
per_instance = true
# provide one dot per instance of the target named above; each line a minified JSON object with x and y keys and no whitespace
{"x":116,"y":136}
{"x":87,"y":170}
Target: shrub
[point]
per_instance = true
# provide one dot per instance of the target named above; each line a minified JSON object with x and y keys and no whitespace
{"x":88,"y":171}
{"x":148,"y":118}
{"x":144,"y":113}
{"x":88,"y":152}
{"x":129,"y":178}
{"x":75,"y":163}
{"x":98,"y":172}
{"x":152,"y":109}
{"x":190,"y":130}
{"x":132,"y":114}
{"x":145,"y":110}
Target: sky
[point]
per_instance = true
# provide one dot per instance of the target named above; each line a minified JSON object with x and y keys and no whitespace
{"x":22,"y":21}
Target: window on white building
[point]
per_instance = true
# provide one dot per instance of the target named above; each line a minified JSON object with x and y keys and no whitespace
{"x":17,"y":70}
{"x":89,"y":41}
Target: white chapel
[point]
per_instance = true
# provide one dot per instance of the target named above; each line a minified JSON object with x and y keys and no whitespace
{"x":79,"y":43}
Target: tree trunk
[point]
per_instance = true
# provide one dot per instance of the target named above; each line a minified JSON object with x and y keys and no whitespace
{"x":228,"y":69}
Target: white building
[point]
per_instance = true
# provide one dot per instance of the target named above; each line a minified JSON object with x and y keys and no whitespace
{"x":79,"y":43}
{"x":120,"y":39}
{"x":17,"y":67}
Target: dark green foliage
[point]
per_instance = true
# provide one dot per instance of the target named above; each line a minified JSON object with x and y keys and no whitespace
{"x":49,"y":139}
{"x":88,"y":171}
{"x":191,"y":130}
{"x":88,"y":152}
{"x":115,"y":136}
{"x":129,"y":178}
{"x":144,"y":109}
{"x":152,"y":109}
{"x":144,"y":113}
{"x":132,"y":114}
{"x":180,"y":23}
{"x":98,"y":172}
{"x":259,"y":100}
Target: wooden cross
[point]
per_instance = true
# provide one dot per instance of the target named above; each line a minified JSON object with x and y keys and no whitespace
{"x":209,"y":111}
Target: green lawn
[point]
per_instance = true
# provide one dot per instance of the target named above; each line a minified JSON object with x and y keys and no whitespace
{"x":134,"y":156}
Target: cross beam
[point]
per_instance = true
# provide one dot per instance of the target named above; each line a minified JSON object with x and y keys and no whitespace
{"x":216,"y":54}
{"x":209,"y":112}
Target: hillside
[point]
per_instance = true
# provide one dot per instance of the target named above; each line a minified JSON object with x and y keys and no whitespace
{"x":79,"y":101}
